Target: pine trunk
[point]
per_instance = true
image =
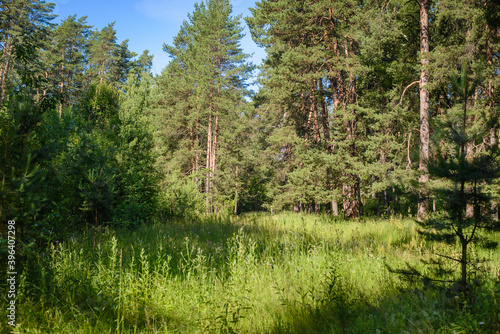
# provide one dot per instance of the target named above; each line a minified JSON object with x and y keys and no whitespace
{"x":423,"y":202}
{"x":351,"y":199}
{"x":493,"y":131}
{"x":335,"y":208}
{"x":236,"y":194}
{"x":208,"y":165}
{"x":351,"y":189}
{"x":5,"y":67}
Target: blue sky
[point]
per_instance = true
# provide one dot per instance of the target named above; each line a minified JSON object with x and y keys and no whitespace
{"x":148,"y":23}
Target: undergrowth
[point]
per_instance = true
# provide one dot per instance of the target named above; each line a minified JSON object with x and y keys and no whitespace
{"x":286,"y":273}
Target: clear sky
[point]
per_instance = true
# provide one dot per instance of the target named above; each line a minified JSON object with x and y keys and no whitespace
{"x":148,"y":23}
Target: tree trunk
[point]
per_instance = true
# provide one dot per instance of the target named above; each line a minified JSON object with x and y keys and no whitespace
{"x":61,"y":85}
{"x":324,"y":114}
{"x":423,"y":202}
{"x":463,"y":263}
{"x":351,"y":189}
{"x":208,"y":165}
{"x":213,"y":161}
{"x":351,"y":199}
{"x":236,"y":188}
{"x":494,"y":204}
{"x":197,"y":157}
{"x":314,"y":111}
{"x":5,"y":67}
{"x":335,"y":208}
{"x":493,"y":131}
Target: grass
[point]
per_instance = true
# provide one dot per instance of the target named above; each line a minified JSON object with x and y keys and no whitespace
{"x":285,"y":273}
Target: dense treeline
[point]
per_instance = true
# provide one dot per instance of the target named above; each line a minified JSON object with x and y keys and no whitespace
{"x":364,"y":108}
{"x":355,"y":109}
{"x":340,"y":89}
{"x":76,"y":147}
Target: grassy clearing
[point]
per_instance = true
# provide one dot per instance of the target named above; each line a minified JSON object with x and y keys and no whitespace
{"x":284,"y":273}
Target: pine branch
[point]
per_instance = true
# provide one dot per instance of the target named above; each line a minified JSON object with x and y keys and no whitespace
{"x":448,"y":257}
{"x":401,"y":100}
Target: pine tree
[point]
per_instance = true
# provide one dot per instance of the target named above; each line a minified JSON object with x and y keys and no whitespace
{"x":137,"y":180}
{"x":65,"y":61}
{"x":103,"y":55}
{"x":316,"y":72}
{"x":467,"y":172}
{"x":24,"y":28}
{"x":209,"y":70}
{"x":124,"y":62}
{"x":143,"y":64}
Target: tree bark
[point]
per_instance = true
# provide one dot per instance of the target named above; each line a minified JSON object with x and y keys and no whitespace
{"x":351,"y":199}
{"x":494,"y":130}
{"x":208,"y":165}
{"x":213,"y":162}
{"x":236,"y":194}
{"x":351,"y":189}
{"x":5,"y":67}
{"x":423,"y":202}
{"x":335,"y":208}
{"x":314,"y":111}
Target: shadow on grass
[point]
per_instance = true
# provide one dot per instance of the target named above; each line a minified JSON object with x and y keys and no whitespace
{"x":411,"y":311}
{"x":179,"y":244}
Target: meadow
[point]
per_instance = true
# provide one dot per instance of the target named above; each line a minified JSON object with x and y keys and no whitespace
{"x":257,"y":273}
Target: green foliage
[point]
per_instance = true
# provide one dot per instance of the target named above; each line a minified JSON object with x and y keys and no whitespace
{"x":100,"y":105}
{"x":21,"y":193}
{"x":97,"y":190}
{"x":64,"y":61}
{"x":138,"y":179}
{"x":330,"y":83}
{"x":286,"y":273}
{"x":464,"y":170}
{"x":61,"y":172}
{"x":201,"y":108}
{"x":24,"y":29}
{"x":180,"y":197}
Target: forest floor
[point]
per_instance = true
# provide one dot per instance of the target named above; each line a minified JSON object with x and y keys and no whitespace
{"x":257,"y":273}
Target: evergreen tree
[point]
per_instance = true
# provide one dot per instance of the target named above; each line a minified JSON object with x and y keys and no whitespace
{"x":24,"y":28}
{"x":65,"y":61}
{"x":103,"y":55}
{"x":464,"y":173}
{"x":143,"y":64}
{"x":137,"y":180}
{"x":124,"y":62}
{"x":204,"y":89}
{"x":321,"y":75}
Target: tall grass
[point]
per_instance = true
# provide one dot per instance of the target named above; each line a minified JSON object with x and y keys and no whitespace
{"x":283,"y":273}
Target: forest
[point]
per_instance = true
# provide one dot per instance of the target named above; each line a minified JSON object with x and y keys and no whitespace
{"x":355,"y":190}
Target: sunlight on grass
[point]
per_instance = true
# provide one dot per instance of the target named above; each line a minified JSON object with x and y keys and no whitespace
{"x":257,"y":273}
